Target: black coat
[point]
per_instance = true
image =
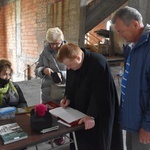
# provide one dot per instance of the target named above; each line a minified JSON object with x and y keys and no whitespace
{"x":91,"y":90}
{"x":19,"y":102}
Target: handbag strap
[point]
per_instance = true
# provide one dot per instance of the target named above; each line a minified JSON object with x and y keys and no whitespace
{"x":55,"y":62}
{"x":58,"y":67}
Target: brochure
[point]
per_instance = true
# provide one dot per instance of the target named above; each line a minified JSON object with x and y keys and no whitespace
{"x":11,"y":133}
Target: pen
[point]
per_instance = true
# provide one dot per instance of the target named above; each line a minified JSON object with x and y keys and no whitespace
{"x":65,"y":100}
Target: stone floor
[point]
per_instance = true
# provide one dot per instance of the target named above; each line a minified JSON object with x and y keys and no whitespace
{"x":31,"y":90}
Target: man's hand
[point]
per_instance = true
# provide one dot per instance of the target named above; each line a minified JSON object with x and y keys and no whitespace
{"x":64,"y":102}
{"x":47,"y":71}
{"x":144,"y":136}
{"x":88,"y":121}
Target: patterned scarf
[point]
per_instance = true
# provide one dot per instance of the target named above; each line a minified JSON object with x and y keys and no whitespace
{"x":4,"y":90}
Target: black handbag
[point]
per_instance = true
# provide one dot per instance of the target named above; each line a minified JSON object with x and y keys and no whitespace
{"x":39,"y":123}
{"x":55,"y":77}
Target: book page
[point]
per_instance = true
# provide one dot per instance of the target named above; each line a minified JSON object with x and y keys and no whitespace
{"x":67,"y":114}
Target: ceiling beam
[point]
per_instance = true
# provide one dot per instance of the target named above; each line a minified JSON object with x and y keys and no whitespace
{"x":99,"y":10}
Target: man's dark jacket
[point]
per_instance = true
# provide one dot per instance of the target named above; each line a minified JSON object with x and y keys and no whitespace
{"x":91,"y":90}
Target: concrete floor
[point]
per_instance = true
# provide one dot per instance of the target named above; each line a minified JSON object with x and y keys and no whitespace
{"x":31,"y":90}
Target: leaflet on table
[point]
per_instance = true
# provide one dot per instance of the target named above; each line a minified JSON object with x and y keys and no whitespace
{"x":12,"y":132}
{"x":68,"y":115}
{"x":54,"y":126}
{"x":50,"y":129}
{"x":52,"y":105}
{"x":28,"y":109}
{"x":25,"y":110}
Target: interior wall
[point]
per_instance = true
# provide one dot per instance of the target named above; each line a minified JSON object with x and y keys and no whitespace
{"x":65,"y":15}
{"x":30,"y":26}
{"x":143,"y":6}
{"x":23,"y":29}
{"x":27,"y":26}
{"x":2,"y":33}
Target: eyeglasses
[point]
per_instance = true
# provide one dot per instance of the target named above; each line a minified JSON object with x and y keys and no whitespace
{"x":56,"y":44}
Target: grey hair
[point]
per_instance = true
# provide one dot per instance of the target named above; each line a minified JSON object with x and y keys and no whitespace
{"x":54,"y":35}
{"x":127,"y":15}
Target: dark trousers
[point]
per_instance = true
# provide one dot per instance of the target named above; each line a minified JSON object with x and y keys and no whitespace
{"x":133,"y":143}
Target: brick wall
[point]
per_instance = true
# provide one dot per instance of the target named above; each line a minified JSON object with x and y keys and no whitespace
{"x":33,"y":26}
{"x":10,"y":33}
{"x":23,"y":30}
{"x":23,"y":34}
{"x":2,"y":33}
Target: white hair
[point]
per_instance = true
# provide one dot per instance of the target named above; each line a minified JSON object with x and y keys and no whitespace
{"x":54,"y":35}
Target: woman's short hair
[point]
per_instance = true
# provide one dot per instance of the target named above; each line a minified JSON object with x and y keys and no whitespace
{"x":54,"y":35}
{"x":5,"y":64}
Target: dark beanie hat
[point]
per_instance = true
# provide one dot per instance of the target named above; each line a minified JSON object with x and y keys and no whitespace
{"x":40,"y":118}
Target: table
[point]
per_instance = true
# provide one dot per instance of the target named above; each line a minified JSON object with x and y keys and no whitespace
{"x":114,"y":60}
{"x":35,"y":137}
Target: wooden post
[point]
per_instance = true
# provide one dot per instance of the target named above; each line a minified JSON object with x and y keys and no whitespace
{"x":28,"y":72}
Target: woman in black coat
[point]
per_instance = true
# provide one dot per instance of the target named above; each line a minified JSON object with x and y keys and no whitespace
{"x":10,"y":92}
{"x":90,"y":89}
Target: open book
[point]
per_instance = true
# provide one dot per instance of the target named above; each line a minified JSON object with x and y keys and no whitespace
{"x":67,"y":116}
{"x":11,"y":133}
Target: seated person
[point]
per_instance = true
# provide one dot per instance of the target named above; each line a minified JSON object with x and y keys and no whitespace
{"x":10,"y":92}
